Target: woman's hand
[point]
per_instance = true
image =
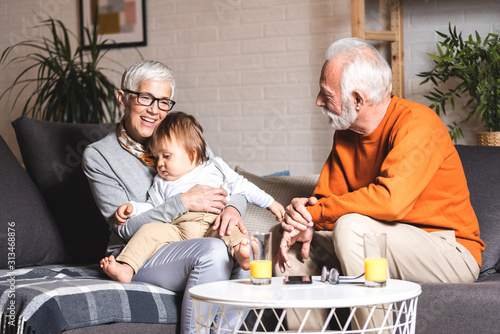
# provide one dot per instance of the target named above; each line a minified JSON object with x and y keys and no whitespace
{"x":229,"y":219}
{"x":202,"y":198}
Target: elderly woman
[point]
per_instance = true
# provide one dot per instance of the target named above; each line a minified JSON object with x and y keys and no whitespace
{"x":120,"y":169}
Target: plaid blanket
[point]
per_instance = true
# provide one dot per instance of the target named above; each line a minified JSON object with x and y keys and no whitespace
{"x":51,"y":299}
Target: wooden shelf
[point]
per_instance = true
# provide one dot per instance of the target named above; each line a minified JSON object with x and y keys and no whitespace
{"x":394,"y":36}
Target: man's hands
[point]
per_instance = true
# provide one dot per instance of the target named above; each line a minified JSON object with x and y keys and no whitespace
{"x":202,"y":198}
{"x":122,"y":213}
{"x":288,"y":239}
{"x":297,"y":227}
{"x":297,"y":216}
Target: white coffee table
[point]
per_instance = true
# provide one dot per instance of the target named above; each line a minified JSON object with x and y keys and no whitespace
{"x":216,"y":302}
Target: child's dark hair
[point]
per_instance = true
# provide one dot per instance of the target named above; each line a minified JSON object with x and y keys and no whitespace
{"x":187,"y":131}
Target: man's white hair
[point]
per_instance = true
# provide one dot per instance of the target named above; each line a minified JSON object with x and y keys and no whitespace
{"x":364,"y":69}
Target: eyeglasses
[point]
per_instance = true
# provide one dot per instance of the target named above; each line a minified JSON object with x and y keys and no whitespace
{"x":147,"y":99}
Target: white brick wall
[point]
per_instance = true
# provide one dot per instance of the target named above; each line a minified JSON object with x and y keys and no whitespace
{"x":249,"y":69}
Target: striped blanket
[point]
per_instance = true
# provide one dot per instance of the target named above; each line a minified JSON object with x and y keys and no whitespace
{"x":51,"y":299}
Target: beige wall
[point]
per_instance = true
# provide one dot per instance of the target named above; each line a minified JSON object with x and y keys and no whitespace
{"x":248,"y":69}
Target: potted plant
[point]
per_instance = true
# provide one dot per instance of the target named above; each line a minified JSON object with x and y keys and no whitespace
{"x":64,"y":86}
{"x":471,"y":67}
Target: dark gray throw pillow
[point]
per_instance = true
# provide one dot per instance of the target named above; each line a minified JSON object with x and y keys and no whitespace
{"x":52,"y":154}
{"x":29,"y":235}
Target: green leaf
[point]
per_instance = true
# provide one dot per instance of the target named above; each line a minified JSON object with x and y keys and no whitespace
{"x":436,"y":58}
{"x":65,"y":83}
{"x":466,"y":68}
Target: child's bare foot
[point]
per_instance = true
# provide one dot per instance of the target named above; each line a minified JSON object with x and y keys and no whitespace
{"x":120,"y":272}
{"x":242,"y":254}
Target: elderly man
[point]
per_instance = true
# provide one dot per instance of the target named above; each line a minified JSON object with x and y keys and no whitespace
{"x":392,"y":169}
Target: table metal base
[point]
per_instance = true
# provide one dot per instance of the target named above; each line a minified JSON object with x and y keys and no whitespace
{"x":397,"y":317}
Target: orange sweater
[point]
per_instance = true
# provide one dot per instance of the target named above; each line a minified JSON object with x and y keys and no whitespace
{"x":407,"y":170}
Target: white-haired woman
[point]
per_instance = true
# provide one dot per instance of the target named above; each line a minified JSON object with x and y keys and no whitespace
{"x":120,"y":169}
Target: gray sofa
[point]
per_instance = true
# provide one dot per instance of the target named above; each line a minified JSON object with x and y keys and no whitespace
{"x":55,"y":236}
{"x":475,"y":307}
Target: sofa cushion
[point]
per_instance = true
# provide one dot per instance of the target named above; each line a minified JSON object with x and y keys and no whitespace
{"x":282,"y":188}
{"x":54,"y":298}
{"x":459,"y":308}
{"x":52,"y":153}
{"x":483,"y":179}
{"x":29,"y":234}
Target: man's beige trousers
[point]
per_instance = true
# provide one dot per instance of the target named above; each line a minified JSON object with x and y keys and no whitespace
{"x":412,"y":254}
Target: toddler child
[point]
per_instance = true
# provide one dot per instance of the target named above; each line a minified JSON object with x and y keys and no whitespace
{"x":181,"y":163}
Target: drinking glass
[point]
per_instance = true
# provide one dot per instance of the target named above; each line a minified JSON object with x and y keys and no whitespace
{"x":261,"y":266}
{"x":375,"y":245}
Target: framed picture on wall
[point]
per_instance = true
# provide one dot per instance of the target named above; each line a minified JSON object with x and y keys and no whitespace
{"x":121,"y":22}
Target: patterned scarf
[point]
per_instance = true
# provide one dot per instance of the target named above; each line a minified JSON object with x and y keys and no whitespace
{"x":135,"y":148}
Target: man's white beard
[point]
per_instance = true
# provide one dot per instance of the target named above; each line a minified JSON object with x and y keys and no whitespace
{"x":346,"y":118}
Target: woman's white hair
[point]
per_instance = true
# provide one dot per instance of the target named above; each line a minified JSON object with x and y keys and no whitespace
{"x":364,"y":69}
{"x":147,"y":70}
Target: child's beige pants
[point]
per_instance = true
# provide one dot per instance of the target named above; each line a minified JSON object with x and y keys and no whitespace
{"x":151,"y":237}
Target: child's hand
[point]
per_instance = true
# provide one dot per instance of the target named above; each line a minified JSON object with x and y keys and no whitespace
{"x":122,"y":213}
{"x":278,"y":210}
